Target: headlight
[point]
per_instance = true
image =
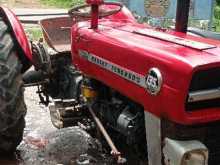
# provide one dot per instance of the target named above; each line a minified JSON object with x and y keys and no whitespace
{"x":185,"y":152}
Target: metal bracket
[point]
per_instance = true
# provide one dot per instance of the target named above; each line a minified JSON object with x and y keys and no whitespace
{"x":204,"y":95}
{"x":153,"y":135}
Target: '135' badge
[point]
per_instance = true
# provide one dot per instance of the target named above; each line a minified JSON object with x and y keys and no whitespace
{"x":153,"y":81}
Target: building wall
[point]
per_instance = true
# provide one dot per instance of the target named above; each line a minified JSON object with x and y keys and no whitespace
{"x":200,"y":9}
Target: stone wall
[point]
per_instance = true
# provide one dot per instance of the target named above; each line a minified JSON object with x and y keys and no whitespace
{"x":156,"y":8}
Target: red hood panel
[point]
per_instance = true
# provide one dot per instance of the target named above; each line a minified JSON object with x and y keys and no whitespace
{"x":116,"y":43}
{"x":165,"y":49}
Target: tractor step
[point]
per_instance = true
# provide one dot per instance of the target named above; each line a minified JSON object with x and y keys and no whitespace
{"x":67,"y":113}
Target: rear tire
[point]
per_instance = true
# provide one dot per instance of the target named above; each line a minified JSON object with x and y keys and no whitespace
{"x":12,"y":106}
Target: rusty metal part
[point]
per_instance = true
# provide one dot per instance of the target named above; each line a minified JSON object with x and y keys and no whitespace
{"x":185,"y":152}
{"x":114,"y":152}
{"x":57,"y":33}
{"x":68,"y":112}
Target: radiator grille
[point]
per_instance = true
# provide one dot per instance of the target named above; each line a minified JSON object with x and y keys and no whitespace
{"x":204,"y":80}
{"x":212,"y":142}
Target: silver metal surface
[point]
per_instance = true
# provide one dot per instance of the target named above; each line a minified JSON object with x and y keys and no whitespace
{"x":124,"y":121}
{"x":127,"y":74}
{"x":114,"y":68}
{"x":55,"y":116}
{"x":154,"y":81}
{"x":153,"y":135}
{"x":174,"y":39}
{"x":185,"y":152}
{"x":204,"y":95}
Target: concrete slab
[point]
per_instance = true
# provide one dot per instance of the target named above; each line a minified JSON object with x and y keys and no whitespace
{"x":33,"y":16}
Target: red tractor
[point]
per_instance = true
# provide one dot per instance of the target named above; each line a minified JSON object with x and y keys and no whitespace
{"x":154,"y":91}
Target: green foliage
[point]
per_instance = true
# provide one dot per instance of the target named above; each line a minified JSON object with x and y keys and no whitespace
{"x":217,"y":16}
{"x":34,"y":33}
{"x":217,"y":12}
{"x":63,"y":3}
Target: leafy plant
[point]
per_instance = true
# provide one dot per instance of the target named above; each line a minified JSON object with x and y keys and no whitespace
{"x":218,"y":2}
{"x":63,"y":3}
{"x":34,"y":33}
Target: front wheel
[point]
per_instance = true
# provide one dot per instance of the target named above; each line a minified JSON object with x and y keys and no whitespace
{"x":12,"y":106}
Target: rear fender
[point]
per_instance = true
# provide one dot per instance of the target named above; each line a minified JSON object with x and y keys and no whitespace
{"x":124,"y":14}
{"x":25,"y":54}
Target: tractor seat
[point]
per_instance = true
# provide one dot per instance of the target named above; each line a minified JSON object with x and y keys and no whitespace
{"x":204,"y":33}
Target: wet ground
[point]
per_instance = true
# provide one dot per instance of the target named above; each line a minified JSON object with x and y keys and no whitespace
{"x":37,"y":121}
{"x":44,"y":145}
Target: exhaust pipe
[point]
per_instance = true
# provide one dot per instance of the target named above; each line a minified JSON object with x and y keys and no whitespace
{"x":34,"y":78}
{"x":182,"y":15}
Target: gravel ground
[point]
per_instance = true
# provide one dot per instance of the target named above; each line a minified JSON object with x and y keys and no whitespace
{"x":37,"y":122}
{"x":38,"y":117}
{"x":44,"y":145}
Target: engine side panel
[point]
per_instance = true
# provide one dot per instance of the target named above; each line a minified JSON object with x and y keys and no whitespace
{"x":138,"y":54}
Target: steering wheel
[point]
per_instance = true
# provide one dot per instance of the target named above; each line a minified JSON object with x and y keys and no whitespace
{"x":105,"y":9}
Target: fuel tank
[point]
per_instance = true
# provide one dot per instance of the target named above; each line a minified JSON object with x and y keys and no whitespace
{"x":159,"y":69}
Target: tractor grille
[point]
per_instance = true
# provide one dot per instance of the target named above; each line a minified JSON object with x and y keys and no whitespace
{"x":212,"y":142}
{"x":204,"y":80}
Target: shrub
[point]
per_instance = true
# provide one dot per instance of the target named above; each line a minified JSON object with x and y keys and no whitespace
{"x":63,"y":3}
{"x":217,"y":12}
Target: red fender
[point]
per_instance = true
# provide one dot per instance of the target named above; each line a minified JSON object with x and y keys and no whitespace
{"x":19,"y":34}
{"x":124,"y":15}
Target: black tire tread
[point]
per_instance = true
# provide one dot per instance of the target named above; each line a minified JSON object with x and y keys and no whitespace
{"x":12,"y":106}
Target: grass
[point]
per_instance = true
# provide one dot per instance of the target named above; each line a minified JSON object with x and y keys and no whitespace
{"x":34,"y":34}
{"x":62,"y":3}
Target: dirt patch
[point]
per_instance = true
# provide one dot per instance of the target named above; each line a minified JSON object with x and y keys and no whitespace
{"x":22,"y":4}
{"x":45,"y":145}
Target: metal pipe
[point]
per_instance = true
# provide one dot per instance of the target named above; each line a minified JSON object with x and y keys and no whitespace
{"x":182,"y":15}
{"x":114,"y":151}
{"x":95,"y":16}
{"x":38,"y":14}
